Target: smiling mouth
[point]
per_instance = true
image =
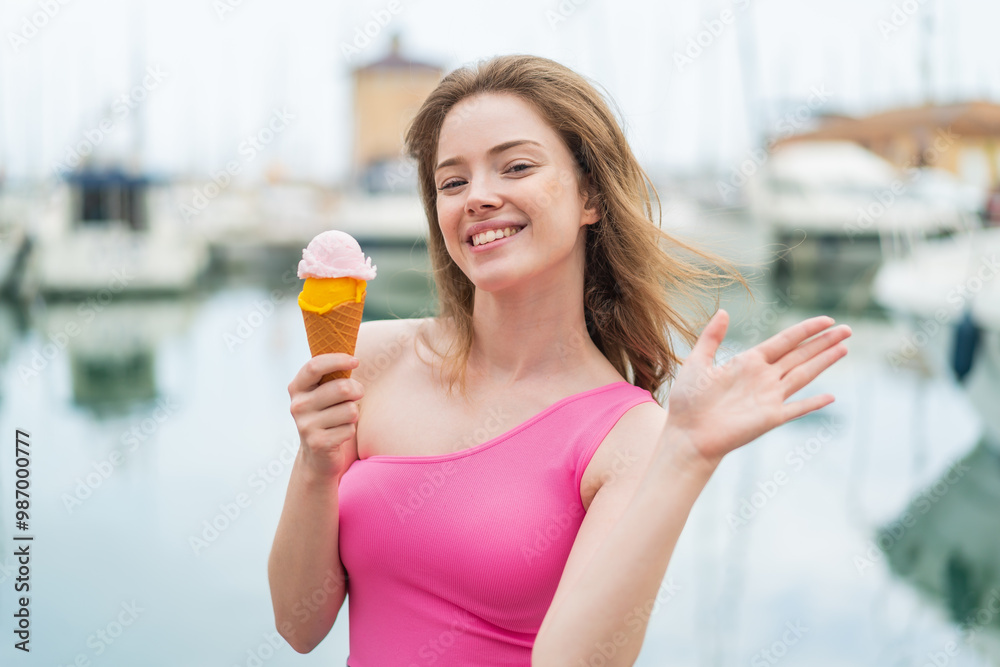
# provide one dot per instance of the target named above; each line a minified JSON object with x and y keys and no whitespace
{"x":493,"y":235}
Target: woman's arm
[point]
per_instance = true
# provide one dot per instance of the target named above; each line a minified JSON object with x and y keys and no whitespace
{"x":306,"y":576}
{"x":602,"y":616}
{"x":602,"y":607}
{"x":308,"y":581}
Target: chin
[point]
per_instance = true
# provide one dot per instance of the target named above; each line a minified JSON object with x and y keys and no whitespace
{"x":499,"y":283}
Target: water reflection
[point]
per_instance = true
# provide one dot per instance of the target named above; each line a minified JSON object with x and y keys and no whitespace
{"x":947,"y":543}
{"x":11,"y":325}
{"x":10,"y":330}
{"x":112,"y":347}
{"x":228,"y":421}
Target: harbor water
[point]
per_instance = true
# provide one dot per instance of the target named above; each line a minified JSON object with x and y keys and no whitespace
{"x":863,"y":534}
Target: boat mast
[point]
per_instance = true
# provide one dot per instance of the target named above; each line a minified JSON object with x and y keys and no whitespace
{"x":746,"y":67}
{"x":925,"y":42}
{"x":138,"y":59}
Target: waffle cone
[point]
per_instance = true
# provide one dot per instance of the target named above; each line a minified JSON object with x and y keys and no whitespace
{"x":336,"y":330}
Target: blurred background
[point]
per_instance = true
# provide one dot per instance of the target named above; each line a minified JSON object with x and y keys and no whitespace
{"x":163,"y":164}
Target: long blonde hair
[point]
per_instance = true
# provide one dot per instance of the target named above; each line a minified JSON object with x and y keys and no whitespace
{"x":634,"y":270}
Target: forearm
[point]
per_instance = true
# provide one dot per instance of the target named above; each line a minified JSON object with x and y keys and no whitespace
{"x":610,"y":606}
{"x":307,"y":579}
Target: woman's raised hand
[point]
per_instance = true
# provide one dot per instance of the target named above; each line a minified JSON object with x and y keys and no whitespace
{"x":326,"y":414}
{"x":716,"y":409}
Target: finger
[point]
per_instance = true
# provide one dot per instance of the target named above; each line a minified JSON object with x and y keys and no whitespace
{"x":797,"y":409}
{"x":338,"y":390}
{"x":805,"y":373}
{"x":811,"y":348}
{"x":319,"y":440}
{"x":781,"y":343}
{"x":321,"y":397}
{"x":337,"y":415}
{"x":711,"y":337}
{"x":313,"y":370}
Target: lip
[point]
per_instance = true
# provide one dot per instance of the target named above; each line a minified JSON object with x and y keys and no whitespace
{"x":493,"y":244}
{"x":487,"y":225}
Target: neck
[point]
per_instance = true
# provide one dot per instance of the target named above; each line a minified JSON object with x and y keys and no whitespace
{"x":532,"y":331}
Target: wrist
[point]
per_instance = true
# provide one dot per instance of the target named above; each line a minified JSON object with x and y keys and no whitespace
{"x":313,"y":478}
{"x":680,"y":454}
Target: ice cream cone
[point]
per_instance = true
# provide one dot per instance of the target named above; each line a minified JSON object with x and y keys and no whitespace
{"x":331,"y":310}
{"x":332,"y":300}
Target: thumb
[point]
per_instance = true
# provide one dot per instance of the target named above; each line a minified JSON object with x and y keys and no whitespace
{"x":711,"y":336}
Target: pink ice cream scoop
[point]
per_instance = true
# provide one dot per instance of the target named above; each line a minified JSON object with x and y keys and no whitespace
{"x":335,"y":254}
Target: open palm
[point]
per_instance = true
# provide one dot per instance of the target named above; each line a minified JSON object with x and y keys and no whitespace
{"x":721,"y":408}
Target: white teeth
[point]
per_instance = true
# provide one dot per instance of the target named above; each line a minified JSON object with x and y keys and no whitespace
{"x":492,"y":235}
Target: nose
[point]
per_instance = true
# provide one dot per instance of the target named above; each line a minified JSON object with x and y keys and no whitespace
{"x":481,"y":196}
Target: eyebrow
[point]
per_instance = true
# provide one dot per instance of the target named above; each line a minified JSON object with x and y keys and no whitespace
{"x":499,"y":148}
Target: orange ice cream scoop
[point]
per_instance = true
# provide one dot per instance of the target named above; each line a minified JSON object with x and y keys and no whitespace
{"x":321,"y":294}
{"x":333,"y":296}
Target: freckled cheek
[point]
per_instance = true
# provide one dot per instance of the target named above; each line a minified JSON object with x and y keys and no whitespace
{"x":545,"y":197}
{"x":535,"y":203}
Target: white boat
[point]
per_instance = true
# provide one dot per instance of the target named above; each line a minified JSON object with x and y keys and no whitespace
{"x":109,"y":230}
{"x":838,"y":188}
{"x":839,"y":209}
{"x":269,"y":225}
{"x":947,"y":294}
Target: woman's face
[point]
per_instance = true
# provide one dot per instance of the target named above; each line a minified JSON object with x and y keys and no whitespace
{"x":498,"y":161}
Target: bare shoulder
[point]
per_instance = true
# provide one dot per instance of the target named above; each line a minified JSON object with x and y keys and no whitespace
{"x":626,"y":451}
{"x":381,"y":344}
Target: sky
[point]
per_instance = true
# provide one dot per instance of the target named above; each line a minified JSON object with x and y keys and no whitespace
{"x":182,"y":84}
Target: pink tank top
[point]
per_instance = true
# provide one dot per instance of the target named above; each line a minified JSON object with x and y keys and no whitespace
{"x":454,"y":559}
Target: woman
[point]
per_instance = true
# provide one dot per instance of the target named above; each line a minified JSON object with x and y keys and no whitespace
{"x":517,"y":491}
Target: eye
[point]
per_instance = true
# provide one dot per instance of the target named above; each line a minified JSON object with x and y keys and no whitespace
{"x":447,"y":185}
{"x":514,"y":168}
